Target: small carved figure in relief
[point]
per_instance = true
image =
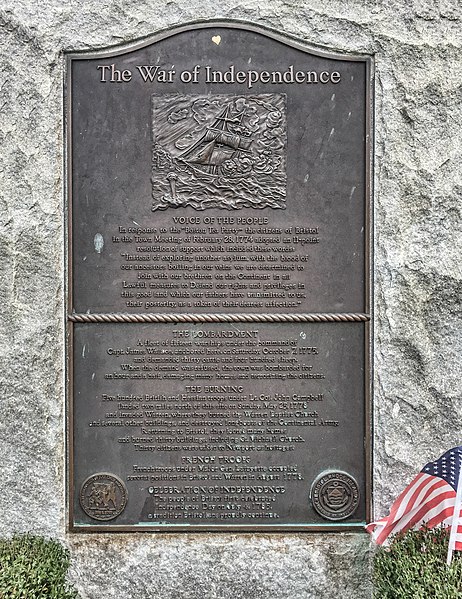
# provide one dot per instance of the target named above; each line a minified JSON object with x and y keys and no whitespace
{"x":101,"y":495}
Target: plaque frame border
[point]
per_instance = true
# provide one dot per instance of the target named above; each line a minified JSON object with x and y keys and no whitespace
{"x":69,"y":314}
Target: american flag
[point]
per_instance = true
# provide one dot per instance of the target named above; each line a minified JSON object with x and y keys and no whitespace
{"x":428,"y":500}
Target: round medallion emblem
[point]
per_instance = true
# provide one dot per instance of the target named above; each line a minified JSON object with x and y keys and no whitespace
{"x":103,"y":496}
{"x":335,"y":495}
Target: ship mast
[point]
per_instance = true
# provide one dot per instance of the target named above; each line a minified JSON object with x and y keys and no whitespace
{"x":217,"y":144}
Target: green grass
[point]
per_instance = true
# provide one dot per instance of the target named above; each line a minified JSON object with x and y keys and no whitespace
{"x":32,"y":567}
{"x":414,"y":567}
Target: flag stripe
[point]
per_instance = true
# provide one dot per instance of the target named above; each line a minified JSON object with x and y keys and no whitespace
{"x":429,"y":500}
{"x":400,"y":504}
{"x":422,"y":481}
{"x":417,"y":517}
{"x":418,"y":491}
{"x":445,"y":513}
{"x":427,"y":492}
{"x":421,"y":513}
{"x":433,"y":496}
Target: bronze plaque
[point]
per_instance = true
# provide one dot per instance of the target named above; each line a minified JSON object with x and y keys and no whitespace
{"x":219,"y":283}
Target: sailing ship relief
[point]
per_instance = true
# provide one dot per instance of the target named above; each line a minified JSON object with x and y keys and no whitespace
{"x":219,"y":151}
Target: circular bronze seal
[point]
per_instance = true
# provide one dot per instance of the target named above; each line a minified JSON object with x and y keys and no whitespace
{"x":335,"y":495}
{"x":103,"y":496}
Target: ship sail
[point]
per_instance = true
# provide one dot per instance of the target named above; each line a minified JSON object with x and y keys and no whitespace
{"x":202,"y":154}
{"x":216,"y":145}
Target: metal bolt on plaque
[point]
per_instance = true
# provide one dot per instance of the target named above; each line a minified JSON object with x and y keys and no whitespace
{"x":335,"y":495}
{"x":103,"y":496}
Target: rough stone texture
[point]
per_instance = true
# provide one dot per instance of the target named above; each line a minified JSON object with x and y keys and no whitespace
{"x":221,"y":567}
{"x":417,"y":297}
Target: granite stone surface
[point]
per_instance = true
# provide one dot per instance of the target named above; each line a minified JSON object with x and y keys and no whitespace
{"x":417,"y":340}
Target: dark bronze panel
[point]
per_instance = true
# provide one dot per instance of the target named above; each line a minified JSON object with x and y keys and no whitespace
{"x":218,"y":185}
{"x":234,"y":181}
{"x":220,"y":424}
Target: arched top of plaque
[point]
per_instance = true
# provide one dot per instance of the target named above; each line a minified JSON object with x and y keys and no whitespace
{"x":227,"y":25}
{"x":218,"y":154}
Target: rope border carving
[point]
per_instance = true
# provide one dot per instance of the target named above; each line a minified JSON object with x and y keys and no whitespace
{"x":204,"y":318}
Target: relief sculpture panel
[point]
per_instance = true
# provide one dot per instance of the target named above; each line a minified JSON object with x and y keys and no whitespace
{"x":219,"y":152}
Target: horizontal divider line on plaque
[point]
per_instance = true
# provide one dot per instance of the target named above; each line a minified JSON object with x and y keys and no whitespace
{"x":204,"y":318}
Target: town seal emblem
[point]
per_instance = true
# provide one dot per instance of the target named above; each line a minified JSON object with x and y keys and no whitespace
{"x":335,"y":495}
{"x":103,"y":496}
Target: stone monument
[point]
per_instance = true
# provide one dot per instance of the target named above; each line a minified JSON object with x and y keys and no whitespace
{"x":223,"y":422}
